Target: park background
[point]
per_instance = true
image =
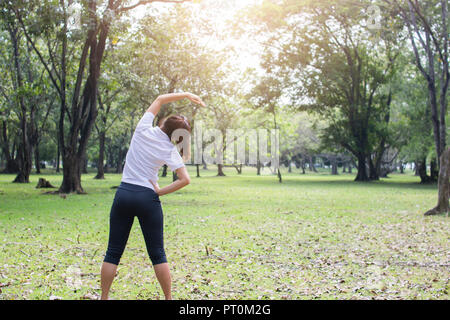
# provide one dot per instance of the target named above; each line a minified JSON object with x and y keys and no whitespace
{"x":357,"y":89}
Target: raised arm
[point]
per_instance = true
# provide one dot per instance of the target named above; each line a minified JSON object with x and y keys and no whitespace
{"x":171,"y":97}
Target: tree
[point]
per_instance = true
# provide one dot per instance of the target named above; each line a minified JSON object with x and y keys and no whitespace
{"x":308,"y":141}
{"x":169,"y":56}
{"x":24,"y":150}
{"x":266,"y":95}
{"x":426,"y":23}
{"x":114,"y":84}
{"x":332,"y":66}
{"x":26,"y":94}
{"x":8,"y":120}
{"x":411,"y":115}
{"x":225,"y":115}
{"x":57,"y":35}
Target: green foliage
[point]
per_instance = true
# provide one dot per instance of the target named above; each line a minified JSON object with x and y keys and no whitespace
{"x":324,"y":58}
{"x":412,"y":117}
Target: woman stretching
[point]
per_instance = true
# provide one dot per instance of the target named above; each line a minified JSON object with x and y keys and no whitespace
{"x":138,"y":193}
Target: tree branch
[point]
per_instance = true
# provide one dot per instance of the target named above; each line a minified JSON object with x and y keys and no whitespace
{"x":4,"y":94}
{"x":428,"y":28}
{"x":46,"y":115}
{"x":143,"y":2}
{"x":38,"y":52}
{"x":52,"y":60}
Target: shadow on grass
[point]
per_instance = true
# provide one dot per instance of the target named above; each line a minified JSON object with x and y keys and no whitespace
{"x":313,"y":180}
{"x":338,"y":182}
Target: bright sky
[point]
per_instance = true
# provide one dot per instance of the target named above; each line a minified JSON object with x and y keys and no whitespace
{"x":219,"y":11}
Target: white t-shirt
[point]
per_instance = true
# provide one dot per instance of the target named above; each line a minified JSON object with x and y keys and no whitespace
{"x":150,"y":148}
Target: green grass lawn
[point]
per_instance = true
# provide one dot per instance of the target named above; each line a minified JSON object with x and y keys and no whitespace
{"x":314,"y":236}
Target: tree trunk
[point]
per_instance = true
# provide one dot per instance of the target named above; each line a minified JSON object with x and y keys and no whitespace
{"x":33,"y":132}
{"x":84,"y":163}
{"x":312,"y":167}
{"x":101,"y":156}
{"x":434,"y":172}
{"x":378,"y":172}
{"x":416,"y":168}
{"x":444,"y":185}
{"x":25,"y":152}
{"x":71,"y":175}
{"x":164,"y":171}
{"x":334,"y":169}
{"x":11,"y":164}
{"x":119,"y":164}
{"x":37,"y":159}
{"x":58,"y":157}
{"x":4,"y":142}
{"x":20,"y":178}
{"x":373,"y":174}
{"x":110,"y":160}
{"x":422,"y":171}
{"x":258,"y":168}
{"x":220,"y":170}
{"x":198,"y":170}
{"x":362,"y":171}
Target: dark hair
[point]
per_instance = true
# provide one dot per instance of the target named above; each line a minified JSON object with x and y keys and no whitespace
{"x":172,"y":123}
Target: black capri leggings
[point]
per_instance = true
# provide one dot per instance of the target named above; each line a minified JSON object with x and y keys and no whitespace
{"x":133,"y":200}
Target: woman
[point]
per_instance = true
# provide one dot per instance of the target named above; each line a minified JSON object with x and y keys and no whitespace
{"x":138,"y":193}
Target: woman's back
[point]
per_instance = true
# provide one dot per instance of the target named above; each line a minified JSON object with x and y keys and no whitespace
{"x":150,"y":148}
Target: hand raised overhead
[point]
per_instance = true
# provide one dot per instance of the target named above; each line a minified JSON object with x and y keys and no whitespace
{"x":195,"y":99}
